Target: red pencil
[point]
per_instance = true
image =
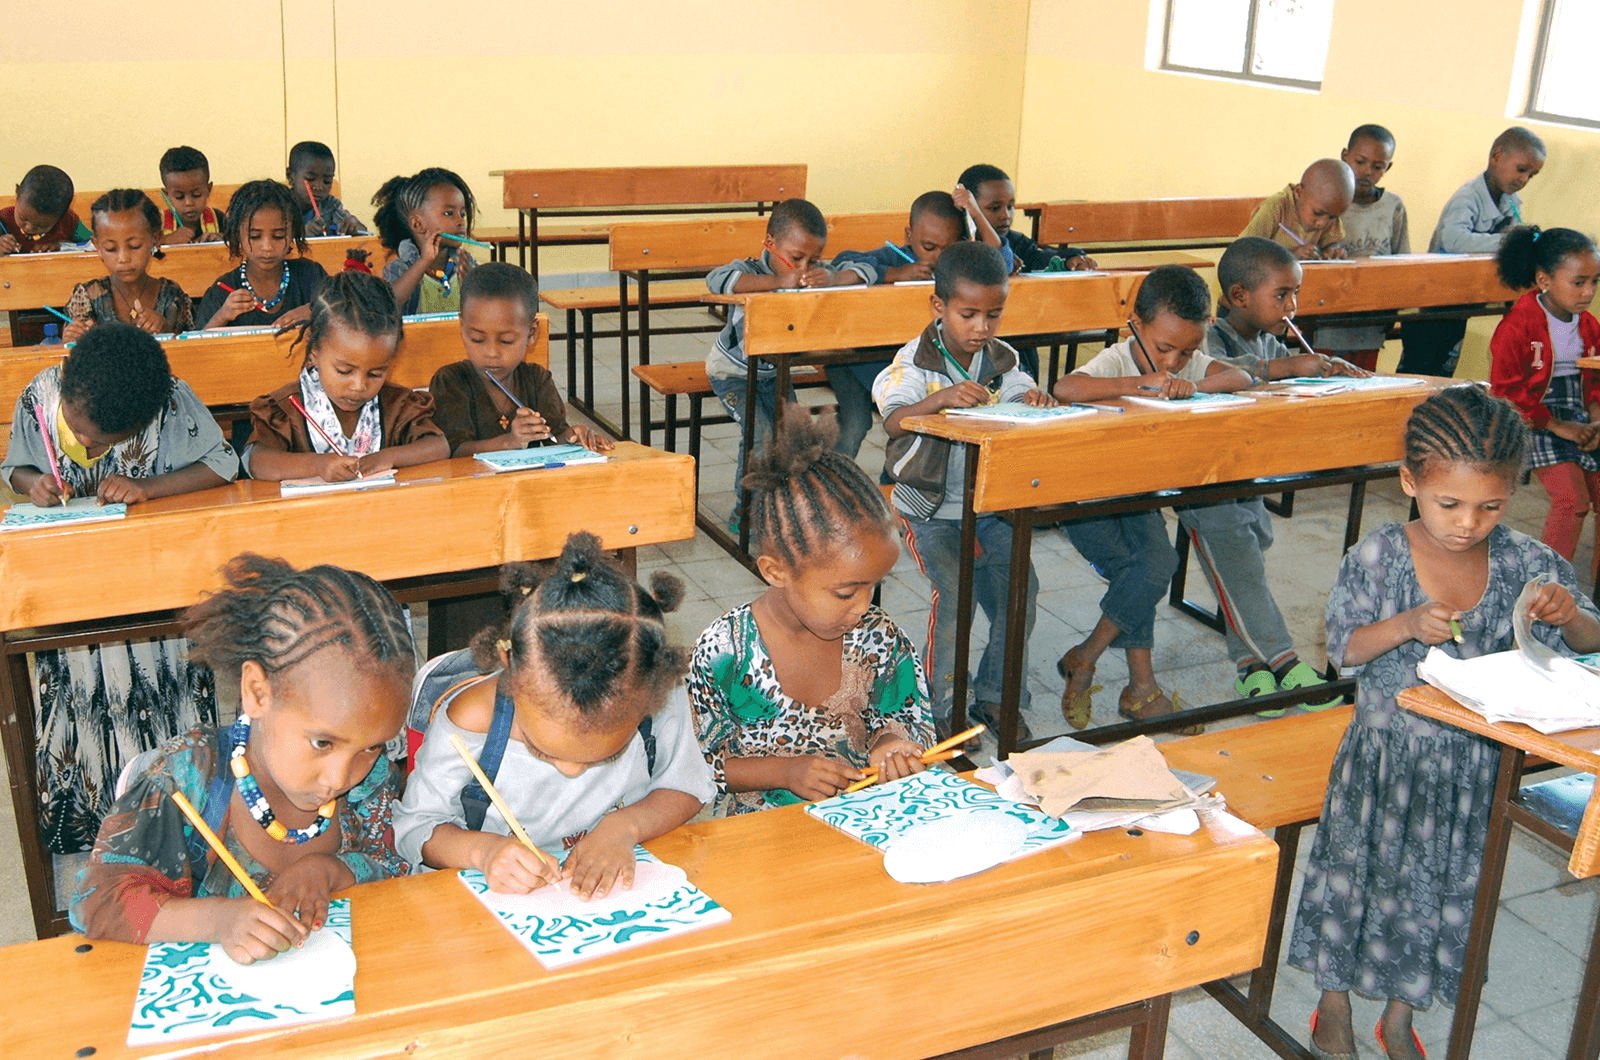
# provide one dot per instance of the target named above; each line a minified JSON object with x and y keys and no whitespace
{"x":230,"y":290}
{"x":312,"y":196}
{"x":302,"y":410}
{"x":785,"y":262}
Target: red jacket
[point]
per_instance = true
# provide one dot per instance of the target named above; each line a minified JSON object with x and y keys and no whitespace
{"x":1521,"y":358}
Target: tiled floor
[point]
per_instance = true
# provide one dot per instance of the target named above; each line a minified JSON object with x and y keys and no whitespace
{"x":1546,"y":918}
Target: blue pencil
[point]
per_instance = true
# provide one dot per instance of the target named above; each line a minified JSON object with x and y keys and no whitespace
{"x":490,"y":376}
{"x":58,"y":313}
{"x":902,"y":253}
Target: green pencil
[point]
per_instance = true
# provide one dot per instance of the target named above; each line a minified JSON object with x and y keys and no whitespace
{"x":464,"y":239}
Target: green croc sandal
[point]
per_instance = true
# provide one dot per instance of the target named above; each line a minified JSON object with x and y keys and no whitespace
{"x":1259,"y":683}
{"x":1301,"y":675}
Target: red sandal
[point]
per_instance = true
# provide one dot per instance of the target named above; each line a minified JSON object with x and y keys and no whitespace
{"x":1319,"y":1052}
{"x":1378,"y":1033}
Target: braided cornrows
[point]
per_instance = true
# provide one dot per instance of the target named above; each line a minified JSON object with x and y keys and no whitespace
{"x":360,"y":301}
{"x":119,"y":199}
{"x":599,"y":635}
{"x":400,"y":197}
{"x":807,"y":499}
{"x":260,"y":195}
{"x":1468,"y":425}
{"x":278,"y":617}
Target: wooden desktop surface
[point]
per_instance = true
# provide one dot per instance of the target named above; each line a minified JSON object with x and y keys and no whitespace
{"x":1371,"y":285}
{"x":825,"y":956}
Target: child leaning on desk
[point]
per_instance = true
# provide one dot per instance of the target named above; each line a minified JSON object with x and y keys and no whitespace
{"x":127,"y":234}
{"x":584,"y":697}
{"x":1389,"y":889}
{"x":42,"y":218}
{"x":957,"y":362}
{"x":310,"y":175}
{"x":797,"y":692}
{"x":1132,"y":552}
{"x":359,"y":423}
{"x":1305,"y":217}
{"x":322,"y":659}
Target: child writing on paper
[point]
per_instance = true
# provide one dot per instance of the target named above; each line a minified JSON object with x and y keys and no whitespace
{"x":1534,"y":355}
{"x":415,"y":215}
{"x":127,"y":234}
{"x":1374,"y":224}
{"x":1389,"y":889}
{"x":499,"y":307}
{"x":310,"y":175}
{"x":798,"y":692}
{"x":351,"y":342}
{"x":600,"y":753}
{"x":298,"y":789}
{"x":186,"y":182}
{"x":1132,"y":551}
{"x":42,"y":218}
{"x":957,"y":362}
{"x":1305,"y":217}
{"x":269,"y":287}
{"x":996,"y":196}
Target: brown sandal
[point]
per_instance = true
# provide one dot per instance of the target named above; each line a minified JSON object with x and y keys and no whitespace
{"x":1076,"y":707}
{"x":1149,"y":707}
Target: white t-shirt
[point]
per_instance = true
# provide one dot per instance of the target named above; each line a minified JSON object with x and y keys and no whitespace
{"x":1567,"y":343}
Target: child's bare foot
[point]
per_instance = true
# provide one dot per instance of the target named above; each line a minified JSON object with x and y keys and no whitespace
{"x":1332,"y":1035}
{"x":1147,"y":704}
{"x":1395,"y":1036}
{"x":1077,"y":701}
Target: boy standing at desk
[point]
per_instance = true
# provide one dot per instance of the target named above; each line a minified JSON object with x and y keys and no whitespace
{"x":1473,"y":222}
{"x":1305,"y":217}
{"x":956,"y":363}
{"x":42,"y":219}
{"x":1374,"y":224}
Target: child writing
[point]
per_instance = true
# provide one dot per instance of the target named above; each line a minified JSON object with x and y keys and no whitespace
{"x":1389,"y":889}
{"x":310,"y":175}
{"x":1132,"y":551}
{"x":269,"y":287}
{"x":1534,"y":355}
{"x":798,"y":692}
{"x":996,"y":196}
{"x":957,"y":362}
{"x":600,"y":754}
{"x":1474,"y":221}
{"x":42,"y":218}
{"x":298,"y":789}
{"x":186,"y":183}
{"x":127,"y":234}
{"x":351,"y":341}
{"x":1305,"y":217}
{"x":1374,"y":224}
{"x":120,"y":429}
{"x":499,"y":305}
{"x":416,"y":216}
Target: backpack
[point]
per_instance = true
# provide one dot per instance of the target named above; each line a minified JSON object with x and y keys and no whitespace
{"x":436,"y":686}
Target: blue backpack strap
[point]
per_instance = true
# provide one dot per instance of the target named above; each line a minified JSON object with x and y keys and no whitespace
{"x":212,"y":810}
{"x":474,"y":800}
{"x":648,"y":735}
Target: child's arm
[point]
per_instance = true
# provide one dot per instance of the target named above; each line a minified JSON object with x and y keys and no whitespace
{"x":1555,"y":604}
{"x":808,"y":776}
{"x":604,"y":857}
{"x":275,"y":465}
{"x":1080,"y":386}
{"x":1223,"y":379}
{"x":968,"y":203}
{"x":405,"y":285}
{"x":422,"y":451}
{"x":899,"y":736}
{"x":239,"y":302}
{"x":39,"y":487}
{"x":119,"y":489}
{"x":1428,"y":624}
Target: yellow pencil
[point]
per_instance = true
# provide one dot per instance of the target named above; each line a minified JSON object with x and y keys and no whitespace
{"x":500,"y":803}
{"x":928,"y":758}
{"x":958,"y":738}
{"x":222,"y":852}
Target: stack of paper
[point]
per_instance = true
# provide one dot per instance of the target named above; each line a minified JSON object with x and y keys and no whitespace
{"x":1335,"y":384}
{"x":1197,"y":403}
{"x":306,"y":487}
{"x":76,"y":510}
{"x":1017,"y":412}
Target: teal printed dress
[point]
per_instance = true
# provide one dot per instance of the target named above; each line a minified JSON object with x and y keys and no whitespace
{"x":740,"y":710}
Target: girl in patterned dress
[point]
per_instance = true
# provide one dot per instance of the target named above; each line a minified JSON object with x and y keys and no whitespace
{"x":1394,"y":869}
{"x":798,"y":692}
{"x":299,"y":789}
{"x":127,"y":234}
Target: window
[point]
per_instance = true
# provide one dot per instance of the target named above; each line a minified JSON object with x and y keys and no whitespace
{"x":1563,"y":84}
{"x":1281,"y":42}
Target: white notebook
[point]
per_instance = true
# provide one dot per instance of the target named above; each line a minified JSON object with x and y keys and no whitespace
{"x":308,"y":487}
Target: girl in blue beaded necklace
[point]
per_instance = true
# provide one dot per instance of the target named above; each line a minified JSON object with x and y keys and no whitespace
{"x":299,"y":789}
{"x":269,"y":287}
{"x":417,"y":218}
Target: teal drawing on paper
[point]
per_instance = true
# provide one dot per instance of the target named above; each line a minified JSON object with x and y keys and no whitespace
{"x":182,"y":995}
{"x":559,"y":929}
{"x":877,"y":814}
{"x":23,"y":516}
{"x":544,"y":456}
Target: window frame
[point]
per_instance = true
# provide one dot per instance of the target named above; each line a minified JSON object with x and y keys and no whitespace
{"x":1541,"y":45}
{"x":1249,"y":51}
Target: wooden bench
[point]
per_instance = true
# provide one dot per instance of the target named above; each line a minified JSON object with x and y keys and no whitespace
{"x":1274,"y":775}
{"x":635,"y":191}
{"x":1151,"y":224}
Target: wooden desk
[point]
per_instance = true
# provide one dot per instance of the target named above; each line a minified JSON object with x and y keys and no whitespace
{"x":1580,"y":750}
{"x":29,"y":281}
{"x":1376,"y":290}
{"x":445,"y":529}
{"x":814,"y":963}
{"x":1152,"y":224}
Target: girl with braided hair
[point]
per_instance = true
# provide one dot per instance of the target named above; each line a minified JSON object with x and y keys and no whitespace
{"x":1392,"y":875}
{"x":269,"y":287}
{"x":798,"y":692}
{"x":594,"y":749}
{"x":299,"y":788}
{"x":351,"y":340}
{"x":127,"y":235}
{"x":415,"y":215}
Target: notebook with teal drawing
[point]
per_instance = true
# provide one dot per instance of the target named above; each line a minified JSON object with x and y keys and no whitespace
{"x":545,"y":456}
{"x":77,"y":510}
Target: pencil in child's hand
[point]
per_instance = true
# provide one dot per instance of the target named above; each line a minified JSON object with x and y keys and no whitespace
{"x":56,"y":312}
{"x":954,"y":741}
{"x":785,"y":262}
{"x":1290,"y":234}
{"x":871,"y":775}
{"x":222,"y":852}
{"x":313,"y":197}
{"x":464,"y":239}
{"x":325,"y":437}
{"x":503,"y":389}
{"x":50,"y":451}
{"x":909,"y":259}
{"x":1455,"y":632}
{"x":500,"y":803}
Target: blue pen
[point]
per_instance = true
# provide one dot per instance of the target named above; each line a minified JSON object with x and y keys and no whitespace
{"x":902,"y":253}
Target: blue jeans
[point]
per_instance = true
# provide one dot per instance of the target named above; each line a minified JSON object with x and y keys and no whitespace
{"x":1133,"y":553}
{"x":1230,"y":539}
{"x":935,"y":544}
{"x":852,"y":389}
{"x":730,"y":391}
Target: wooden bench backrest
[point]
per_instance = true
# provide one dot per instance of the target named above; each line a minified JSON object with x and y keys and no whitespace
{"x":1145,"y":220}
{"x":28,"y":281}
{"x":802,"y":321}
{"x":1378,"y":284}
{"x":554,"y":189}
{"x":221,"y":195}
{"x":707,"y":244}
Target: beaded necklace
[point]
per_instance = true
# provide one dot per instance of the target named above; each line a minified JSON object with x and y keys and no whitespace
{"x":283,"y":286}
{"x":256,"y":802}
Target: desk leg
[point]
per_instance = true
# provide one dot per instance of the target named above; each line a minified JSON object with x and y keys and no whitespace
{"x":1352,"y":519}
{"x":522,"y":239}
{"x":644,"y":350}
{"x":572,"y":357}
{"x":965,"y":604}
{"x":532,"y":243}
{"x":17,"y":732}
{"x":588,"y":361}
{"x":1149,"y":1039}
{"x":1585,"y":1042}
{"x":748,"y":443}
{"x":625,"y":379}
{"x":1016,"y":629}
{"x":1475,"y":968}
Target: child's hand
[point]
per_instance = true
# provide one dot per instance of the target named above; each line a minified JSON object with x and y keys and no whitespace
{"x":9,"y":244}
{"x":1335,"y":253}
{"x":349,"y":226}
{"x":816,"y":276}
{"x":376,"y":463}
{"x":1307,"y":252}
{"x":46,"y":248}
{"x":302,"y":889}
{"x":813,"y":777}
{"x":74,"y":331}
{"x":1430,"y":623}
{"x":430,"y":245}
{"x":902,"y":273}
{"x":1039,"y":399}
{"x":249,"y":931}
{"x":206,"y":237}
{"x":336,"y":468}
{"x":298,"y":314}
{"x":1082,"y":263}
{"x":511,"y":868}
{"x":895,"y":757}
{"x":787,"y":277}
{"x":1166,"y":385}
{"x":464,"y":261}
{"x":964,"y":395}
{"x":1554,"y":604}
{"x":236,"y":304}
{"x":601,"y":860}
{"x":527,"y":426}
{"x":119,"y":489}
{"x":151,"y":323}
{"x":45,"y":494}
{"x":182,"y":234}
{"x":965,"y":200}
{"x":1340,"y":366}
{"x":589,"y":438}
